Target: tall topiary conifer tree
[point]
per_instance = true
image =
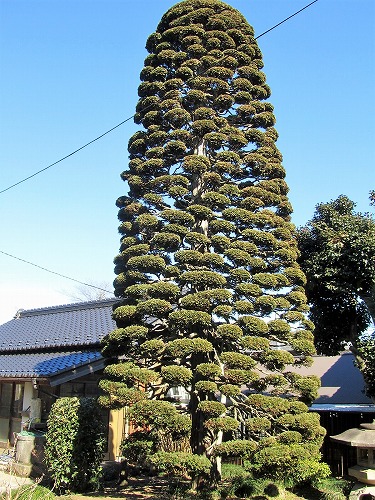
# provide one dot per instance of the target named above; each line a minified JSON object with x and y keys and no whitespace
{"x":210,"y":289}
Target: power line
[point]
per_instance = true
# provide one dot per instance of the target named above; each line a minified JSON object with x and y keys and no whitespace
{"x":130,"y":117}
{"x":53,"y":272}
{"x":87,"y":144}
{"x":286,"y":19}
{"x":67,"y":156}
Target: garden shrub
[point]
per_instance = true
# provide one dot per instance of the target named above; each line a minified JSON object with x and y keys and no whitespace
{"x":272,"y":490}
{"x":230,"y":471}
{"x":181,"y":463}
{"x":75,"y":444}
{"x":246,"y":486}
{"x":291,"y":464}
{"x":138,"y":447}
{"x":332,"y":488}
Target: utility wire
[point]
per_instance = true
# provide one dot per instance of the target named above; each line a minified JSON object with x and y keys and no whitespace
{"x":286,"y":19}
{"x":53,"y":272}
{"x":131,"y":117}
{"x":67,"y":156}
{"x":87,"y":144}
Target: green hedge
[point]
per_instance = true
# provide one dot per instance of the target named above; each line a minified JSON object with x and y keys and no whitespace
{"x":75,"y":444}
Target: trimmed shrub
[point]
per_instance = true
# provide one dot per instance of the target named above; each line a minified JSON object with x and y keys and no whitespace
{"x":75,"y":444}
{"x":180,"y":463}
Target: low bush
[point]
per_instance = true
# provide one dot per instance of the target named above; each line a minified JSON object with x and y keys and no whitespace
{"x":333,"y":488}
{"x":231,"y":471}
{"x":181,"y":463}
{"x":288,"y":464}
{"x":138,"y":447}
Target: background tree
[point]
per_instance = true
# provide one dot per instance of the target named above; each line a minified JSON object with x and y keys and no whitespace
{"x":365,"y":350}
{"x":210,"y":289}
{"x":338,"y":256}
{"x":96,"y":291}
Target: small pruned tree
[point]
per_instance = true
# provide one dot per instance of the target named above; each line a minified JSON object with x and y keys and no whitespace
{"x":211,"y":296}
{"x":75,"y":444}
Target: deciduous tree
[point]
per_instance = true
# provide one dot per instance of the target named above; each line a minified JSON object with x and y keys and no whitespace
{"x":338,"y":256}
{"x":211,"y":296}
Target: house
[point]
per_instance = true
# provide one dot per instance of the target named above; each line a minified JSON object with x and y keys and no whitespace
{"x":55,"y":351}
{"x":342,"y":404}
{"x":49,"y":353}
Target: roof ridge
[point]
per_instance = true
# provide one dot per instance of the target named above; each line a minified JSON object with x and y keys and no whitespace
{"x":92,"y":304}
{"x":42,"y":348}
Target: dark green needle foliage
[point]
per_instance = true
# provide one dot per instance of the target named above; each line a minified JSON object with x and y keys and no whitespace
{"x":207,"y":275}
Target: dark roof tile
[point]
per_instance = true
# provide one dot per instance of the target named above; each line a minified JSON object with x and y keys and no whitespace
{"x":80,"y":324}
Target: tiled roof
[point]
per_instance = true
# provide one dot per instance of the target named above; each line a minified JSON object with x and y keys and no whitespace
{"x":341,"y":381}
{"x":44,"y":364}
{"x":80,"y":324}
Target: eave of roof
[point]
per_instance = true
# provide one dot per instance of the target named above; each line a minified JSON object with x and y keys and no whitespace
{"x":47,"y":364}
{"x":362,"y":438}
{"x":347,"y":408}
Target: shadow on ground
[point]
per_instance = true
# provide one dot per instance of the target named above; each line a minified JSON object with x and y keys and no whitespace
{"x":140,"y":488}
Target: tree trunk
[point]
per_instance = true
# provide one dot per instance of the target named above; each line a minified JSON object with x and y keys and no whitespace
{"x":197,"y":429}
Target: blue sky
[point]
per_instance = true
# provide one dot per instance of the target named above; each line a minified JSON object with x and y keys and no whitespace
{"x":70,"y":71}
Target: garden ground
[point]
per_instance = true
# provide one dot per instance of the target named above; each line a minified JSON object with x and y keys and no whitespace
{"x":157,"y":488}
{"x":10,"y":481}
{"x":138,"y":488}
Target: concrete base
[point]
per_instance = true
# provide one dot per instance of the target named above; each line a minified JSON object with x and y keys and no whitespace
{"x":362,"y":474}
{"x":22,"y":470}
{"x":360,"y":489}
{"x":29,"y":456}
{"x":6,"y":461}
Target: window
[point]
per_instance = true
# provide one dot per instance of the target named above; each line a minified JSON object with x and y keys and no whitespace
{"x":79,"y":390}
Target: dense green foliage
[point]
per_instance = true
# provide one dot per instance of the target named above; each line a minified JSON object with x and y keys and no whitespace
{"x":211,"y":296}
{"x":238,"y":483}
{"x":338,"y":256}
{"x":365,"y":351}
{"x":75,"y":444}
